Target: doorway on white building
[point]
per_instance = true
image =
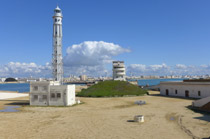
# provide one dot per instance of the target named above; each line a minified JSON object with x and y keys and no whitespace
{"x":186,"y":93}
{"x":167,"y":92}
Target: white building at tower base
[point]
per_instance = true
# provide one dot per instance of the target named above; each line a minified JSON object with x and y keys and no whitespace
{"x":51,"y":93}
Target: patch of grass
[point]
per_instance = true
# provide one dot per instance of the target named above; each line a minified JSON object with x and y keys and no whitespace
{"x":112,"y":89}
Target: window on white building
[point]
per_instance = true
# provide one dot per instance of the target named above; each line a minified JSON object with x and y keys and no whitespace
{"x":52,"y":95}
{"x":176,"y":92}
{"x":35,"y":97}
{"x":167,"y":92}
{"x":35,"y":88}
{"x":58,"y":95}
{"x":199,"y":93}
{"x":44,"y":88}
{"x":44,"y":97}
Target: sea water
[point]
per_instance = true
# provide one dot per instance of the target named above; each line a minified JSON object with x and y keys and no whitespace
{"x":10,"y":109}
{"x":150,"y":82}
{"x":19,"y":87}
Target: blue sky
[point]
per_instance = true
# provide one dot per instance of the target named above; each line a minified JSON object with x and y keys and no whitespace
{"x":156,"y":32}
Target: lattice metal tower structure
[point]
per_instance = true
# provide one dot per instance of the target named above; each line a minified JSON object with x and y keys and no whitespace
{"x":57,"y":59}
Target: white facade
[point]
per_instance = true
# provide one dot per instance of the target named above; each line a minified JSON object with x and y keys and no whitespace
{"x":51,"y":94}
{"x":185,"y":89}
{"x":118,"y":70}
{"x":57,"y":62}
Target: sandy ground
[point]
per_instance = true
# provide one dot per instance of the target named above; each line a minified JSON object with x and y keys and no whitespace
{"x":8,"y":95}
{"x":106,"y":118}
{"x":80,"y":87}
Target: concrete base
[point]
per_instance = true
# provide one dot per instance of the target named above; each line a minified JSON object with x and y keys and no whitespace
{"x":139,"y":118}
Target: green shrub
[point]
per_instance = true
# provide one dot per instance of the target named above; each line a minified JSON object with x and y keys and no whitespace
{"x":112,"y":89}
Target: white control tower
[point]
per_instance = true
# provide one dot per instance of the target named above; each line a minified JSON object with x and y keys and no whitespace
{"x":118,"y":70}
{"x":57,"y":59}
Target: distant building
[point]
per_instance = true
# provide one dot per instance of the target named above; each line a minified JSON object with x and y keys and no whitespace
{"x":118,"y":70}
{"x":10,"y":80}
{"x":186,"y":88}
{"x":2,"y":79}
{"x":51,"y":94}
{"x":83,"y":77}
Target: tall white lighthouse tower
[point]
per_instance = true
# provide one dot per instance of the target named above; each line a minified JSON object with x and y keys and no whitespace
{"x":57,"y":62}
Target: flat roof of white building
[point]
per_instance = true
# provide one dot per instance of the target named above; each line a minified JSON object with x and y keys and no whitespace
{"x":185,"y":83}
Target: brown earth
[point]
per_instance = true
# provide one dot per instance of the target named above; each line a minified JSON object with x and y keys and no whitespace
{"x":106,"y":118}
{"x":206,"y":107}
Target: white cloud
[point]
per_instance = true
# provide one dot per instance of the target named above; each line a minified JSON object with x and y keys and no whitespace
{"x":87,"y":70}
{"x":158,"y":67}
{"x":138,"y":67}
{"x":181,"y":66}
{"x":90,"y":57}
{"x":92,"y":53}
{"x":17,"y":69}
{"x":163,"y":69}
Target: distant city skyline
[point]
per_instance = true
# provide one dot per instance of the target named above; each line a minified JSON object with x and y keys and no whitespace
{"x":152,"y":37}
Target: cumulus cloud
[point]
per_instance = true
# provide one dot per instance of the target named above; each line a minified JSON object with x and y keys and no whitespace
{"x":90,"y":57}
{"x":181,"y":66}
{"x":158,"y":67}
{"x":163,"y":69}
{"x":139,"y":69}
{"x":87,"y":70}
{"x":17,"y":69}
{"x":92,"y":53}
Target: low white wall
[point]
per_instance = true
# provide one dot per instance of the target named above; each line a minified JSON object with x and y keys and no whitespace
{"x":201,"y":102}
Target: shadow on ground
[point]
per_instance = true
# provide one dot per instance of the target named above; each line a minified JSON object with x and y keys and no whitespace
{"x":205,"y":117}
{"x":178,"y":97}
{"x":17,"y":102}
{"x":130,"y":121}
